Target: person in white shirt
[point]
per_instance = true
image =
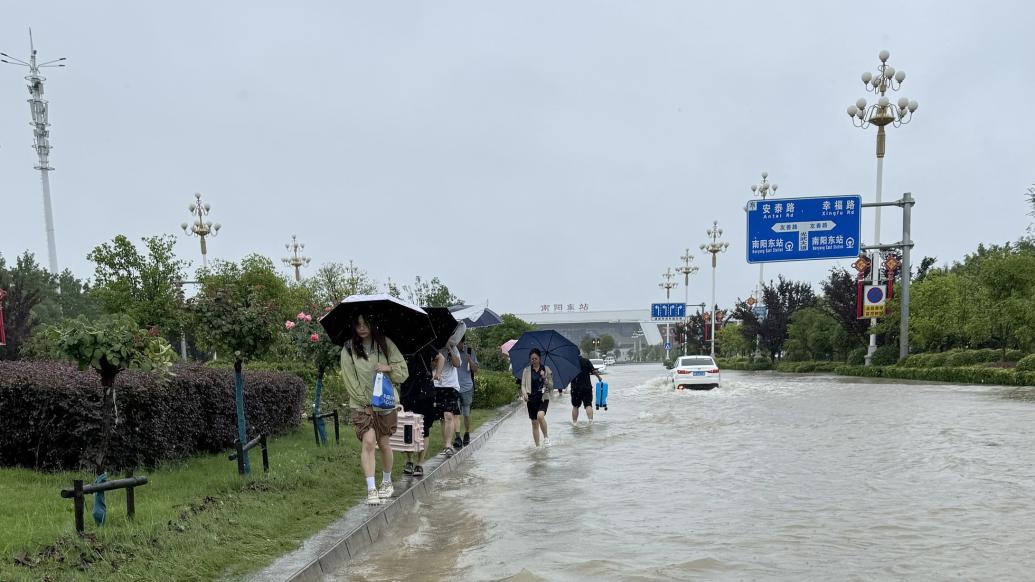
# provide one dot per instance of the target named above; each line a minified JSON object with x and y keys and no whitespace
{"x":447,"y":394}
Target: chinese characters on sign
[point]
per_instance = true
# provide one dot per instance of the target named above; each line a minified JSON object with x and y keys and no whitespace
{"x":562,"y":307}
{"x":803,"y":229}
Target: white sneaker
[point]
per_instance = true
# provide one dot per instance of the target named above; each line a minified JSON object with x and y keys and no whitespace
{"x":372,"y":497}
{"x":547,"y":443}
{"x":386,"y":490}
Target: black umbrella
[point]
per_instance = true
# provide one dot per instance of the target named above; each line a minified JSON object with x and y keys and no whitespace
{"x":474,"y":317}
{"x":444,"y":324}
{"x":405,"y":324}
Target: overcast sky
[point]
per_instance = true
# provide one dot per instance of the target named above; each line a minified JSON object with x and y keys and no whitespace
{"x":524,"y":152}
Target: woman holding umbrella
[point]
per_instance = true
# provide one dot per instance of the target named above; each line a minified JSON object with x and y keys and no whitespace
{"x":536,"y":385}
{"x":365,"y":354}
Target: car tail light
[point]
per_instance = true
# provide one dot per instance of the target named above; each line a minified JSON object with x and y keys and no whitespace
{"x":682,"y":371}
{"x":713,"y":371}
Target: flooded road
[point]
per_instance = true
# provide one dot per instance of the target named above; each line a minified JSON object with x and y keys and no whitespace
{"x":770,"y":477}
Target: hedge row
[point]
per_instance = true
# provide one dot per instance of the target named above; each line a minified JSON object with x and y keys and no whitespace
{"x":494,"y":389}
{"x":744,"y":364}
{"x":1004,"y":376}
{"x":808,"y":366}
{"x":51,"y":410}
{"x":960,"y":358}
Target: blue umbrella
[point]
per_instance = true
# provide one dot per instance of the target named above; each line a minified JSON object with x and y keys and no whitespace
{"x":558,"y":354}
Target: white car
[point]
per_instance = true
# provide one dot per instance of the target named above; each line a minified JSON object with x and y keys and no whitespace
{"x":609,"y":361}
{"x":598,"y":364}
{"x":695,"y":373}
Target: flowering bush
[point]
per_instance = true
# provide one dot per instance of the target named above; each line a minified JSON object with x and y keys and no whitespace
{"x":313,"y":345}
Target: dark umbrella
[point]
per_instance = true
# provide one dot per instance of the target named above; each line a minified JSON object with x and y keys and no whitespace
{"x":444,"y":324}
{"x":558,"y":354}
{"x":474,"y":317}
{"x":405,"y":324}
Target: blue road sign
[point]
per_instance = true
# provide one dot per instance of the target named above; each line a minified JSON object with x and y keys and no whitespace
{"x":668,"y":345}
{"x":667,"y":311}
{"x":803,"y":229}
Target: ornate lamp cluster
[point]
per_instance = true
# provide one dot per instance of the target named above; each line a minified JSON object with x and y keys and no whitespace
{"x":883,"y":112}
{"x":296,"y":260}
{"x":201,"y":228}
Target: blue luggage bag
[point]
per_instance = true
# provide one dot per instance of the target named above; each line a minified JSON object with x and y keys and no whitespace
{"x":601,"y":395}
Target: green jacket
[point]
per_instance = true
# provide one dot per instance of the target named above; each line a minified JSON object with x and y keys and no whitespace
{"x":358,"y":373}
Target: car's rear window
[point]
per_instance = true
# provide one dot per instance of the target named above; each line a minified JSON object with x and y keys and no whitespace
{"x":699,"y":361}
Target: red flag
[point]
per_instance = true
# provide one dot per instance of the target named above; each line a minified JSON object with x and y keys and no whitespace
{"x":3,"y":337}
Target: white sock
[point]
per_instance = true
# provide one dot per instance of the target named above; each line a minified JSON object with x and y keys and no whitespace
{"x":370,"y":483}
{"x":386,"y":477}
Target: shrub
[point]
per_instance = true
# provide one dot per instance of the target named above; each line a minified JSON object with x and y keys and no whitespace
{"x":885,"y":356}
{"x":1026,"y":364}
{"x":494,"y":389}
{"x":857,"y":357}
{"x":972,"y":375}
{"x":52,"y":411}
{"x":1014,"y":355}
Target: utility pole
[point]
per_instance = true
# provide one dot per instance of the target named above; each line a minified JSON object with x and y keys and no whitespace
{"x":41,"y":137}
{"x":667,"y":285}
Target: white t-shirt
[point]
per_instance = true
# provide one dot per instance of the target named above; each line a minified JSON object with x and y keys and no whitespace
{"x":450,"y":377}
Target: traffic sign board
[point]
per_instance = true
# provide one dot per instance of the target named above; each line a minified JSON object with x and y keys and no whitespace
{"x":874,"y":301}
{"x":667,"y":311}
{"x":668,"y":345}
{"x":803,"y":229}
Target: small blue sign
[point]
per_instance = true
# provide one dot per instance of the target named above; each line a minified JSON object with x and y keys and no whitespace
{"x":760,"y":311}
{"x":667,"y":311}
{"x":668,"y":346}
{"x":803,"y":229}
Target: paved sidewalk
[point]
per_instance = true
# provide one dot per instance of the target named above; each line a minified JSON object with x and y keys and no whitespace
{"x":327,"y":552}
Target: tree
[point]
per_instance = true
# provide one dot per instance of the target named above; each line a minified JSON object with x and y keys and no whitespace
{"x":782,"y":300}
{"x":607,"y":343}
{"x":586,"y":344}
{"x":488,"y":340}
{"x":313,"y":346}
{"x":238,"y":311}
{"x":141,"y":285}
{"x":814,"y":334}
{"x":28,"y":286}
{"x":840,"y":297}
{"x":730,"y":341}
{"x":333,"y":282}
{"x":431,"y":293}
{"x":108,"y":346}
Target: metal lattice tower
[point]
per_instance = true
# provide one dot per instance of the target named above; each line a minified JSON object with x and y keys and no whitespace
{"x":41,"y":136}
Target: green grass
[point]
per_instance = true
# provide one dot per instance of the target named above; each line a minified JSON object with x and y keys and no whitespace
{"x":196,"y":519}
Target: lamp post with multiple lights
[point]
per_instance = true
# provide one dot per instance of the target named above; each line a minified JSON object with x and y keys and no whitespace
{"x":296,"y":260}
{"x":714,"y":246}
{"x":201,"y":228}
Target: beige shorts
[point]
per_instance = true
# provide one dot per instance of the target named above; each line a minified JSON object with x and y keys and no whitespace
{"x":365,"y":419}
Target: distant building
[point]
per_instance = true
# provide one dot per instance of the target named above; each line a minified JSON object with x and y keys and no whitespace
{"x":619,"y":324}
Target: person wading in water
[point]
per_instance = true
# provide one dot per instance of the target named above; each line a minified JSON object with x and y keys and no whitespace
{"x":536,"y":385}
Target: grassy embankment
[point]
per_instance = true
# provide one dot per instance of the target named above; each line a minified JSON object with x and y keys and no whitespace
{"x":195,"y":520}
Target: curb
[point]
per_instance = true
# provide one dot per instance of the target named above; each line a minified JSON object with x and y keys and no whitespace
{"x":329,"y":550}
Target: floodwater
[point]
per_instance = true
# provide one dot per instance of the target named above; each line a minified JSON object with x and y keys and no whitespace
{"x":769,"y":477}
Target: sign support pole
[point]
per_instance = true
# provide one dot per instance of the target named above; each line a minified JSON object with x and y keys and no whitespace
{"x":905,"y":245}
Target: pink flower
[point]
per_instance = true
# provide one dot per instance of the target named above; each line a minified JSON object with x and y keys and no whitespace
{"x":301,"y":315}
{"x":289,"y":324}
{"x":314,"y":338}
{"x":308,"y":317}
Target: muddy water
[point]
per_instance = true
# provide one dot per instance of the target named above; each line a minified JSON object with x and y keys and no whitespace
{"x":769,"y":477}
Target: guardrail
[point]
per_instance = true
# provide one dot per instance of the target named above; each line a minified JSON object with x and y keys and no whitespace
{"x":239,"y":455}
{"x":79,"y":491}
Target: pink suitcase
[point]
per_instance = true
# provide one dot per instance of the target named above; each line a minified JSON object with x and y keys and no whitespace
{"x":409,"y":433}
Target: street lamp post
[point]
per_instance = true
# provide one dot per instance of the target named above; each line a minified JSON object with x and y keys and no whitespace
{"x":881,"y":114}
{"x":686,"y":269}
{"x":200,"y":227}
{"x":296,"y":260}
{"x":763,"y":190}
{"x":667,"y":285}
{"x":637,"y":335}
{"x":714,"y":246}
